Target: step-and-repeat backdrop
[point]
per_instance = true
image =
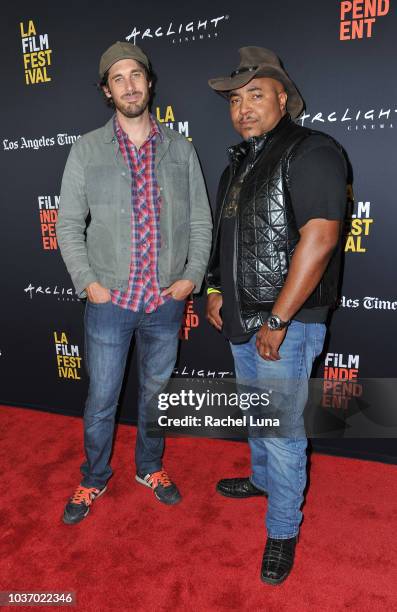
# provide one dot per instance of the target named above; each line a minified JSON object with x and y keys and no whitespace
{"x":342,"y":57}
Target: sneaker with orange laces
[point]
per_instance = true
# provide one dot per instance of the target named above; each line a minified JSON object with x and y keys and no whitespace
{"x":79,"y":504}
{"x":164,"y":489}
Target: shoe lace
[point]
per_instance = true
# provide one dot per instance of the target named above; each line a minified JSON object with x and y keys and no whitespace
{"x":159,"y":478}
{"x":84,"y":495}
{"x":279,"y":552}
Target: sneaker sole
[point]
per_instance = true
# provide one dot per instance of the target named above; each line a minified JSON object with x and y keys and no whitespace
{"x":69,"y":521}
{"x":168,"y":503}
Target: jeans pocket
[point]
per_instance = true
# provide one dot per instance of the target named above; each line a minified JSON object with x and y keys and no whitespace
{"x":321,"y":331}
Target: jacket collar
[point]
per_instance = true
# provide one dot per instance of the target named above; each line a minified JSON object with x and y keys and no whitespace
{"x":162,"y":145}
{"x":110,"y":136}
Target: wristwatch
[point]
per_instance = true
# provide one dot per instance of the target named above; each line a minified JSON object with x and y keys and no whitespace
{"x":275,"y":323}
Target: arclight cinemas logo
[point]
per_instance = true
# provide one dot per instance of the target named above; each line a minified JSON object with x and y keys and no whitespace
{"x":186,"y":372}
{"x":176,"y":33}
{"x":353,"y":119}
{"x":62,"y":294}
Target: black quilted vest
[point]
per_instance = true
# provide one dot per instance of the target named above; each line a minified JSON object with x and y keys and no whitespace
{"x":267,"y":233}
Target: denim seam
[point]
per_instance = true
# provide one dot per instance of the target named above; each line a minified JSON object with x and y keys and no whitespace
{"x":318,"y":345}
{"x":86,"y":362}
{"x":300,"y":367}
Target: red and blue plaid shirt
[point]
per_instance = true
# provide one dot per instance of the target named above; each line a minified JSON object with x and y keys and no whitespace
{"x":143,"y":291}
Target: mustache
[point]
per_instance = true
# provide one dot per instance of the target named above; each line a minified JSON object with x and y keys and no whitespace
{"x":245,"y":119}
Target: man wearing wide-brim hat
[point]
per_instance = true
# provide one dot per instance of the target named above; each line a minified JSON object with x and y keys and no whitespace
{"x":274,"y":272}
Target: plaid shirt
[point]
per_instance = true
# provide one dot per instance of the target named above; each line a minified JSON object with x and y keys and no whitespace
{"x":143,"y":289}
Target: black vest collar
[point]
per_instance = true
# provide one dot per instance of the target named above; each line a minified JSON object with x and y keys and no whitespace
{"x":254,"y":145}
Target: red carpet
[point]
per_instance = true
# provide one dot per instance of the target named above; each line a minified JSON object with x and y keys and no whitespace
{"x":131,"y":553}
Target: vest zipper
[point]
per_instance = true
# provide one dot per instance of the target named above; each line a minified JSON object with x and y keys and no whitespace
{"x":236,"y":235}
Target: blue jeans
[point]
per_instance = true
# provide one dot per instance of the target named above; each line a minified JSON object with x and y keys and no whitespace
{"x":279,"y":464}
{"x":108,"y":333}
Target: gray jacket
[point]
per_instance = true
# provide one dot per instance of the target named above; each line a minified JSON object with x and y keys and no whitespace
{"x":96,"y":180}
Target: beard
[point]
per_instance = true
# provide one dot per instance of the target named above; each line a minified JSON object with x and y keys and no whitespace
{"x":132,"y":109}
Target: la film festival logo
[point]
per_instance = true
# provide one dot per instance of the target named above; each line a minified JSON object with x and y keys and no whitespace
{"x":182,"y":32}
{"x":358,"y":228}
{"x":48,"y":212}
{"x":37,"y":55}
{"x":168,"y":118}
{"x":67,"y":356}
{"x":358,"y":17}
{"x":340,"y":384}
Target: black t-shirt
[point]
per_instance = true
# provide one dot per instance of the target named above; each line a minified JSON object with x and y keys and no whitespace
{"x":317,"y":190}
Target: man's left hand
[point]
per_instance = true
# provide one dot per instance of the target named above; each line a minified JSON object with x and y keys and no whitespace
{"x":268,"y":342}
{"x":179,"y":290}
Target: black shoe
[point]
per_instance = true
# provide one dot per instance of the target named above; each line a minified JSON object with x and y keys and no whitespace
{"x":164,"y":489}
{"x":278,"y":560}
{"x":79,"y":504}
{"x":238,"y":488}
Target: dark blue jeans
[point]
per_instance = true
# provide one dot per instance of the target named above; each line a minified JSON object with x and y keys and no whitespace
{"x":108,"y":333}
{"x":279,"y":464}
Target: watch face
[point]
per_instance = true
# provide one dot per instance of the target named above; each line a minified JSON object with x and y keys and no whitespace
{"x":273,"y":323}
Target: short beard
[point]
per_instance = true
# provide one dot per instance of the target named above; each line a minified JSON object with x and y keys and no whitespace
{"x":132,"y":110}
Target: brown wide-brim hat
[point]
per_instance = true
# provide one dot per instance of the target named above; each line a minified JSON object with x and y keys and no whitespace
{"x":259,"y":62}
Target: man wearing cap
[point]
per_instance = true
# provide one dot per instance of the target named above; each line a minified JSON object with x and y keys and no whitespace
{"x":145,"y":250}
{"x":273,"y":276}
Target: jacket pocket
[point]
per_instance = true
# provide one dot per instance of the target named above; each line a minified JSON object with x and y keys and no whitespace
{"x":175,"y":185}
{"x":101,"y":185}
